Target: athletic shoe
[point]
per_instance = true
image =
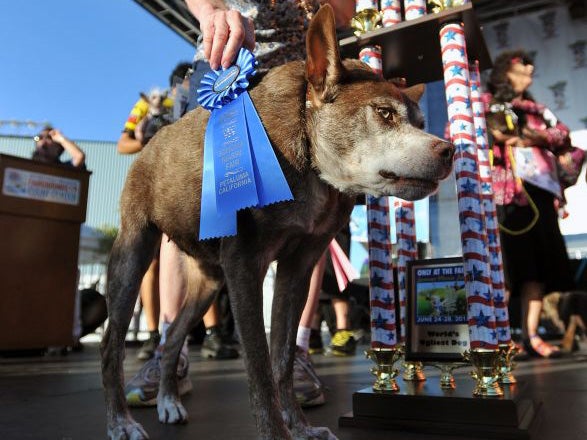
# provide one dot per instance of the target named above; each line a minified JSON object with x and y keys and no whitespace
{"x":213,"y":347}
{"x":142,"y":389}
{"x":308,"y":387}
{"x":343,"y":343}
{"x":316,"y":346}
{"x":147,"y":351}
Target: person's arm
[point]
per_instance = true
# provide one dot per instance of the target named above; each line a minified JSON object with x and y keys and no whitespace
{"x":128,"y":144}
{"x":224,"y":31}
{"x":78,"y":157}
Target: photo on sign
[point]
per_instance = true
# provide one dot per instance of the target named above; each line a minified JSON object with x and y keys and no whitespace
{"x":437,"y":328}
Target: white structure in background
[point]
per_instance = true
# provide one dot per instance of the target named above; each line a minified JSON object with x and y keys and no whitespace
{"x":574,"y":227}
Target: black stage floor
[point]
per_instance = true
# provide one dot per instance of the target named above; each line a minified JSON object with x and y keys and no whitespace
{"x":60,"y":398}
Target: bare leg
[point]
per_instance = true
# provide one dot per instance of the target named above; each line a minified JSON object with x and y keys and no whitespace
{"x":532,"y":293}
{"x":341,"y":310}
{"x":309,"y":312}
{"x":150,"y":296}
{"x":172,"y":280}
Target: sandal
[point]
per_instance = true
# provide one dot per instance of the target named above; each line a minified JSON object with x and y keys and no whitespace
{"x":538,"y":347}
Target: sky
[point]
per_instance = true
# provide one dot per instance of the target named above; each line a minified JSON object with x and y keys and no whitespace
{"x":80,"y":64}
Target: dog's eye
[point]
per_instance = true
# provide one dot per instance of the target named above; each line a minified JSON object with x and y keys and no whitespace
{"x":387,"y":113}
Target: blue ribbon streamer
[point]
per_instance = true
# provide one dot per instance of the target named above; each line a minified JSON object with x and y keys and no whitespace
{"x":240,"y":169}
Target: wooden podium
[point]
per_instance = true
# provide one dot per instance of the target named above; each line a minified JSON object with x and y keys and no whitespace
{"x":42,"y":208}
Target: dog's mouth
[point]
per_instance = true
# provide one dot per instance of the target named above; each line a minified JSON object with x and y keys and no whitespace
{"x":394,"y":178}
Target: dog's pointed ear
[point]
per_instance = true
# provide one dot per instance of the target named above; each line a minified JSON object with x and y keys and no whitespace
{"x":415,"y":92}
{"x":323,"y":65}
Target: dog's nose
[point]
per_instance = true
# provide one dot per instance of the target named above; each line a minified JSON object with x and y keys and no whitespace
{"x":445,"y":151}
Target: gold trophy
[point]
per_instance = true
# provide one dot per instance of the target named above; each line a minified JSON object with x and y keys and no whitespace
{"x":506,"y":362}
{"x":441,"y":5}
{"x":447,"y":380}
{"x":413,"y":372}
{"x":384,"y":370}
{"x":365,"y":21}
{"x":486,"y":371}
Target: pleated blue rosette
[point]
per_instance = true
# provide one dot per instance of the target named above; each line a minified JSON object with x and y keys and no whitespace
{"x":240,"y":167}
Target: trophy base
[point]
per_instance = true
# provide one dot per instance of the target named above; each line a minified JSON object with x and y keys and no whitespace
{"x":426,"y":408}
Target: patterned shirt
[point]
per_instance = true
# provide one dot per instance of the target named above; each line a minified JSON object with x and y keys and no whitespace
{"x":536,"y":165}
{"x":280,"y":28}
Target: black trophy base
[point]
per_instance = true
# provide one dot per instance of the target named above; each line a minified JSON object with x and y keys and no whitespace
{"x":425,"y":408}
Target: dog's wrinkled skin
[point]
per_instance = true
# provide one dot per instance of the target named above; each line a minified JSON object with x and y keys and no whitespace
{"x":353,"y":136}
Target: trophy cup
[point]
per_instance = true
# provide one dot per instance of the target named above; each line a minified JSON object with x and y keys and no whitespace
{"x":413,"y":372}
{"x":366,"y":20}
{"x":506,"y":362}
{"x":486,"y":371}
{"x":384,"y":370}
{"x":447,"y":380}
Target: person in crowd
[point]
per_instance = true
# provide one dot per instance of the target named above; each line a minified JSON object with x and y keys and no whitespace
{"x":50,"y":144}
{"x":526,"y":139}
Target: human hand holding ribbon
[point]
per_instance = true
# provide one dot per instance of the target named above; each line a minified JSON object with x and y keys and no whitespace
{"x":240,"y":167}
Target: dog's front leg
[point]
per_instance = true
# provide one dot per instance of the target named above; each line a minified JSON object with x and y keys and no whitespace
{"x":202,"y":284}
{"x":291,"y":292}
{"x":244,"y":274}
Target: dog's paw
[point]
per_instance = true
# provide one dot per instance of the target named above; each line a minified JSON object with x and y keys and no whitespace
{"x":171,"y":411}
{"x":314,"y":433}
{"x":127,"y":430}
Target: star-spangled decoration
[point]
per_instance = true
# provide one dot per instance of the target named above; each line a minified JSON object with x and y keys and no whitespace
{"x":475,"y":87}
{"x":503,"y":332}
{"x":450,"y":35}
{"x":475,"y":274}
{"x":383,"y":234}
{"x":479,"y":132}
{"x":402,"y":213}
{"x":491,"y":237}
{"x":493,"y":334}
{"x":486,"y":187}
{"x":498,"y":298}
{"x":402,"y":284}
{"x":379,"y":321}
{"x":467,"y":103}
{"x":481,"y":320}
{"x":376,"y":280}
{"x":468,"y":186}
{"x":388,"y":300}
{"x":391,"y":337}
{"x":450,"y":100}
{"x":478,"y":223}
{"x":487,"y":295}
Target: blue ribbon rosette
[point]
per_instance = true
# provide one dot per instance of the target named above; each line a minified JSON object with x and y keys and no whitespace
{"x":240,"y":167}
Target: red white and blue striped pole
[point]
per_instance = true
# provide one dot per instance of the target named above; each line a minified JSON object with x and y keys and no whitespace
{"x":405,"y":225}
{"x":391,"y":12}
{"x":414,"y":9}
{"x":488,"y":204}
{"x":480,"y":310}
{"x":381,"y":284}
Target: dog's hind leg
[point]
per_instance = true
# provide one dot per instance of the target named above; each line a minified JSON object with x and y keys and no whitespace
{"x":202,"y":283}
{"x":131,"y":254}
{"x":291,"y":292}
